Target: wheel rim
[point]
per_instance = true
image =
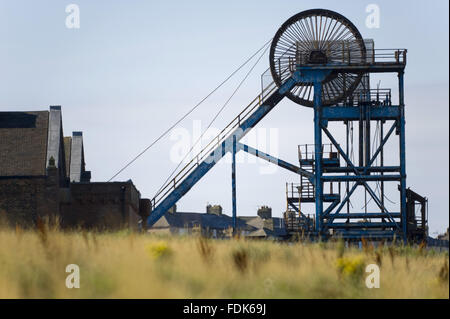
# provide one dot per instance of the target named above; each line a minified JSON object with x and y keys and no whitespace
{"x":324,"y":36}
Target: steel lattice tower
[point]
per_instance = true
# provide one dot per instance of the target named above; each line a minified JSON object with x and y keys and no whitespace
{"x":319,"y":59}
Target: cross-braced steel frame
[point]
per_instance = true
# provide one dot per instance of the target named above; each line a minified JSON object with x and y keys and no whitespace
{"x":390,"y":224}
{"x":318,"y":58}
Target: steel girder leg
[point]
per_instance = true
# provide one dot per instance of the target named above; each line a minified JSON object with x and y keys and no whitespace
{"x":402,"y":157}
{"x":233,"y":185}
{"x":318,"y":155}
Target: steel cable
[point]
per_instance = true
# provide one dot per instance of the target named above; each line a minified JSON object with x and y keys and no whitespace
{"x":213,"y":120}
{"x":188,"y":113}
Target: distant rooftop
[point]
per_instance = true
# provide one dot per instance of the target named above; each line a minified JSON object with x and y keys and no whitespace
{"x":256,"y":225}
{"x":28,"y":140}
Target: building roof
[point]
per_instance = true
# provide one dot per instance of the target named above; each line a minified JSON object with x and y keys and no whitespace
{"x":23,"y":143}
{"x":262,"y":232}
{"x":189,"y":220}
{"x":181,"y":220}
{"x":272,"y":227}
{"x":29,"y":139}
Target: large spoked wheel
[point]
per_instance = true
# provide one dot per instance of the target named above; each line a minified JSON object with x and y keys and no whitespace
{"x":317,"y":36}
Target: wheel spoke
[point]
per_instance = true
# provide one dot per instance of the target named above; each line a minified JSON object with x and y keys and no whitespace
{"x":317,"y":30}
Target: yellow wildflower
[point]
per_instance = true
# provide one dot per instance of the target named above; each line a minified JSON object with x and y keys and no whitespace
{"x":158,"y":250}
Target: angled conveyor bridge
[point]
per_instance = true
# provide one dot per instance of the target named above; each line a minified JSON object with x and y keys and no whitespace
{"x":225,"y":142}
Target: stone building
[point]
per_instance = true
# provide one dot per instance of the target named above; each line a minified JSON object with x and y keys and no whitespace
{"x":43,"y":176}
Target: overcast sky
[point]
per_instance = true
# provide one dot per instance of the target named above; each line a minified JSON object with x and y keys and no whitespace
{"x":134,"y":67}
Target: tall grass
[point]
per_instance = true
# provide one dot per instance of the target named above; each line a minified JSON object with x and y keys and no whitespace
{"x":127,"y":265}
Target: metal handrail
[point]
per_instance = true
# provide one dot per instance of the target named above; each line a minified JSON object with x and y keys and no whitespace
{"x":372,"y":95}
{"x":309,"y":151}
{"x":397,"y":56}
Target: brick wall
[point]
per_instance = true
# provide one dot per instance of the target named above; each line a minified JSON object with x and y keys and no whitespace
{"x":102,"y":206}
{"x":23,"y":200}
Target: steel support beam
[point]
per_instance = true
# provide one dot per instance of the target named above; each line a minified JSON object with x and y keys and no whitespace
{"x":365,"y":215}
{"x":402,"y":146}
{"x":354,"y":178}
{"x":233,"y":185}
{"x":340,"y":150}
{"x":380,"y":205}
{"x":318,"y":154}
{"x":378,"y":67}
{"x":329,"y":216}
{"x":372,"y":169}
{"x":381,"y":147}
{"x":351,"y":113}
{"x":276,"y":161}
{"x":367,"y":135}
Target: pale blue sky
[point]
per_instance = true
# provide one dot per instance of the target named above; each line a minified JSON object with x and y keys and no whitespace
{"x":134,"y":67}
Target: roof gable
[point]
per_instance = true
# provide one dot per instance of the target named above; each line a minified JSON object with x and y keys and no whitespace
{"x":161,"y":223}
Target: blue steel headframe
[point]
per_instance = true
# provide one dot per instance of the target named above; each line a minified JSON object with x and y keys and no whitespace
{"x":226,"y":146}
{"x":322,"y":114}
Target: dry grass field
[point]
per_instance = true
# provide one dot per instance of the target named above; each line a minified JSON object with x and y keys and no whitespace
{"x":126,"y":265}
